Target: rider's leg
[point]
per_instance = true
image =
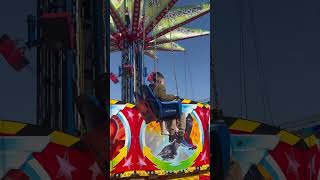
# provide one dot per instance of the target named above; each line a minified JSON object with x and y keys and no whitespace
{"x":172,"y":129}
{"x":164,"y":128}
{"x":181,"y":127}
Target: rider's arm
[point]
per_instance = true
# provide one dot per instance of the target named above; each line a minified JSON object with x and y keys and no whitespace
{"x":162,"y":94}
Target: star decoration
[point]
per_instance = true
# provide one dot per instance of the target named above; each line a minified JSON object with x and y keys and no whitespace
{"x":66,"y":168}
{"x":130,"y":115}
{"x":293,"y":165}
{"x":95,"y":170}
{"x":201,"y":114}
{"x":141,"y":162}
{"x":311,"y":166}
{"x":204,"y":156}
{"x":134,"y":139}
{"x":128,"y":162}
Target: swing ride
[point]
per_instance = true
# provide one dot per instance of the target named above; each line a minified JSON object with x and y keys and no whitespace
{"x":145,"y":27}
{"x":141,"y":28}
{"x":70,"y":98}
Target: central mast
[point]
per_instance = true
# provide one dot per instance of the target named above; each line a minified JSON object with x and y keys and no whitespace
{"x":131,"y":65}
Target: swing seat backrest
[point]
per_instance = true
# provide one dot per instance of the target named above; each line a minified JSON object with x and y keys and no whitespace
{"x":162,"y":110}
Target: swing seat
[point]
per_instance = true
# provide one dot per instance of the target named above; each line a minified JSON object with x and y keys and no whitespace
{"x":163,"y":111}
{"x":13,"y":55}
{"x":114,"y":78}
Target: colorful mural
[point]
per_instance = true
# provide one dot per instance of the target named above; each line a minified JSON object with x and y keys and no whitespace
{"x":266,"y":152}
{"x":263,"y":152}
{"x":31,"y":153}
{"x":141,"y":150}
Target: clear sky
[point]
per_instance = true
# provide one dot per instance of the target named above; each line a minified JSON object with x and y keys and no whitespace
{"x":198,"y":57}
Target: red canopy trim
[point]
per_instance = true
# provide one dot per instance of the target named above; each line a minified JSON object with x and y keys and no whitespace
{"x":174,"y":27}
{"x":159,"y":17}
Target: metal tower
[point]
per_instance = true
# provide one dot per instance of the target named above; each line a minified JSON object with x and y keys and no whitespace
{"x":71,"y":57}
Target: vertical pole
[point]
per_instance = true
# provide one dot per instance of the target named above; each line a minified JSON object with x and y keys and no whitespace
{"x":69,"y":92}
{"x":130,"y":76}
{"x":38,"y":67}
{"x":69,"y":89}
{"x":99,"y":58}
{"x":211,"y":88}
{"x":31,"y":19}
{"x":138,"y":66}
{"x":125,"y":80}
{"x":214,"y":101}
{"x":127,"y":60}
{"x":107,"y":45}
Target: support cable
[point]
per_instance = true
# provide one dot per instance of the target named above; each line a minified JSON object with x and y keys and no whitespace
{"x":173,"y":56}
{"x":185,"y":74}
{"x":243,"y":83}
{"x":259,"y":62}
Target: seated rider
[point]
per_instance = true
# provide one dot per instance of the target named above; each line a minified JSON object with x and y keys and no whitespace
{"x":159,"y":90}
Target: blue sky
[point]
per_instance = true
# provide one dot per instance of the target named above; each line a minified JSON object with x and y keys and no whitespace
{"x":198,"y":56}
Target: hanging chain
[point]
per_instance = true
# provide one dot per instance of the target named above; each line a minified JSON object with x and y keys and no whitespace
{"x":173,"y":56}
{"x":243,"y":84}
{"x":174,"y":72}
{"x":185,"y":74}
{"x":155,"y":62}
{"x":264,"y":88}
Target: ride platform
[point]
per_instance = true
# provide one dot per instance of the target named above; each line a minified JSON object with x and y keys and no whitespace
{"x":139,"y":149}
{"x":31,"y":152}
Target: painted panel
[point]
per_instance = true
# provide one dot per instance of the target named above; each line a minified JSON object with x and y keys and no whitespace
{"x":140,"y":149}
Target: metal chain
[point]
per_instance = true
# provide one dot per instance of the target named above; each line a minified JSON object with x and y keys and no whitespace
{"x":173,"y":56}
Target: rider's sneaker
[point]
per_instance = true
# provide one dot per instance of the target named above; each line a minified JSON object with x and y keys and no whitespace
{"x":172,"y":138}
{"x":184,"y":143}
{"x":179,"y":138}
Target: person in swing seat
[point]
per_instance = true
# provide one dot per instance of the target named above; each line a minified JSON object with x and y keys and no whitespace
{"x":159,"y":89}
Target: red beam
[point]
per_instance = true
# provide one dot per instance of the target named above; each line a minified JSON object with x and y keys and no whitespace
{"x":159,"y":17}
{"x":175,"y":27}
{"x":114,"y":43}
{"x":148,"y":43}
{"x":118,"y":22}
{"x":136,"y":15}
{"x":140,"y":28}
{"x":114,"y":34}
{"x":112,"y":37}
